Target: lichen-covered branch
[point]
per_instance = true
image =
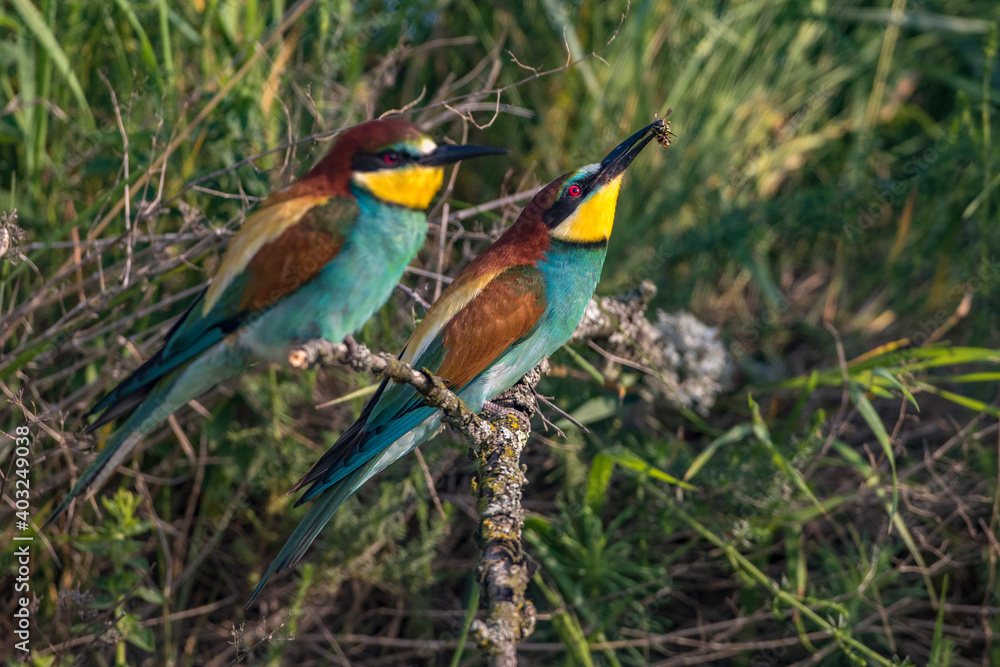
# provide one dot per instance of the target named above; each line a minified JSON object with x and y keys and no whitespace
{"x":497,"y":441}
{"x":607,"y":316}
{"x":503,"y":568}
{"x":321,"y":353}
{"x":670,"y":350}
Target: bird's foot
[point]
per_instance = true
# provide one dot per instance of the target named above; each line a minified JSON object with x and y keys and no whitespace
{"x":351,"y":345}
{"x":494,"y":410}
{"x":354,"y":355}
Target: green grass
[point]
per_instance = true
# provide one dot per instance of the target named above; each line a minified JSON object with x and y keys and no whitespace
{"x":831,"y":204}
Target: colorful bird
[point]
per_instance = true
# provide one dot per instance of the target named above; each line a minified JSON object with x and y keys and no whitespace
{"x":509,"y":308}
{"x":315,"y":260}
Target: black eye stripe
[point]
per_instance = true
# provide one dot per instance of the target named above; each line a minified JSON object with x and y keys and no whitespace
{"x":566,"y":204}
{"x":377,"y":161}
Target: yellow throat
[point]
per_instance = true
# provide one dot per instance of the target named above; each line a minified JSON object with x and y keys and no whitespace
{"x":412,"y":186}
{"x":593,"y":219}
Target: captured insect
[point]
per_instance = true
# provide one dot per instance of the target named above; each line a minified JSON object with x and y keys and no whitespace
{"x":661,"y":129}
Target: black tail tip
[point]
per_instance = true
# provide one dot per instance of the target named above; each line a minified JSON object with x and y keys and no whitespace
{"x":257,"y":591}
{"x":57,"y":512}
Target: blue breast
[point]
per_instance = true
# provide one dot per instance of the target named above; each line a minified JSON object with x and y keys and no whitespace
{"x":571,"y":273}
{"x":352,"y":286}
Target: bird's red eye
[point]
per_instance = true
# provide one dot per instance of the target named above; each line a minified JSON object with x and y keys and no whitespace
{"x":391,"y":157}
{"x":574,"y":190}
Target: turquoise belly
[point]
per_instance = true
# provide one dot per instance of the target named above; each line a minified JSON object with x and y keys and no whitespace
{"x":350,"y":288}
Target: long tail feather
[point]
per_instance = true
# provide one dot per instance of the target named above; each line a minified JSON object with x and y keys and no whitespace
{"x":323,"y":509}
{"x":168,"y":395}
{"x":156,"y":408}
{"x":119,"y":446}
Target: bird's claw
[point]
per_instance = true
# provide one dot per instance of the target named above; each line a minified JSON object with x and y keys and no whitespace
{"x":496,"y":410}
{"x":353,"y":349}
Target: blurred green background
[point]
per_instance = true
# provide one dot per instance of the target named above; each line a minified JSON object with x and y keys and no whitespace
{"x":830,"y":203}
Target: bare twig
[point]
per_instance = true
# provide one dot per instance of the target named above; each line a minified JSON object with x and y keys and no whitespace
{"x":445,"y":104}
{"x":127,"y":176}
{"x":322,"y":353}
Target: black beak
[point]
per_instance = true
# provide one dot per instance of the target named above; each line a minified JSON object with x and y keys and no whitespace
{"x":448,"y":154}
{"x":621,"y":157}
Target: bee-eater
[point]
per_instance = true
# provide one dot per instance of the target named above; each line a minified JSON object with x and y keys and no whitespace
{"x":315,"y":260}
{"x":512,"y":306}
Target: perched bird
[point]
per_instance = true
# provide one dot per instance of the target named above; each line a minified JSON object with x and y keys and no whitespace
{"x":509,"y":308}
{"x":315,"y":260}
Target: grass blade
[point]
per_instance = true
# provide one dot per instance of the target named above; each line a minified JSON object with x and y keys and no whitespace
{"x":871,"y":417}
{"x":626,"y":458}
{"x":35,"y":22}
{"x":964,"y":401}
{"x":735,"y":434}
{"x":760,"y":430}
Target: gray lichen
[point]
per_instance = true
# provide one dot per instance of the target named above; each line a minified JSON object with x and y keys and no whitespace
{"x":10,"y":236}
{"x":688,"y":364}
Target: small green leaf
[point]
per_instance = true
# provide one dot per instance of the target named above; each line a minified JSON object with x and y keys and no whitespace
{"x":142,"y":638}
{"x":150,"y":595}
{"x":598,"y":480}
{"x":894,"y":381}
{"x":593,"y":410}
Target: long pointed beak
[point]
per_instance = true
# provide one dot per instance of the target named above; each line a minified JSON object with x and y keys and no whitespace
{"x":448,"y":154}
{"x":621,"y":157}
